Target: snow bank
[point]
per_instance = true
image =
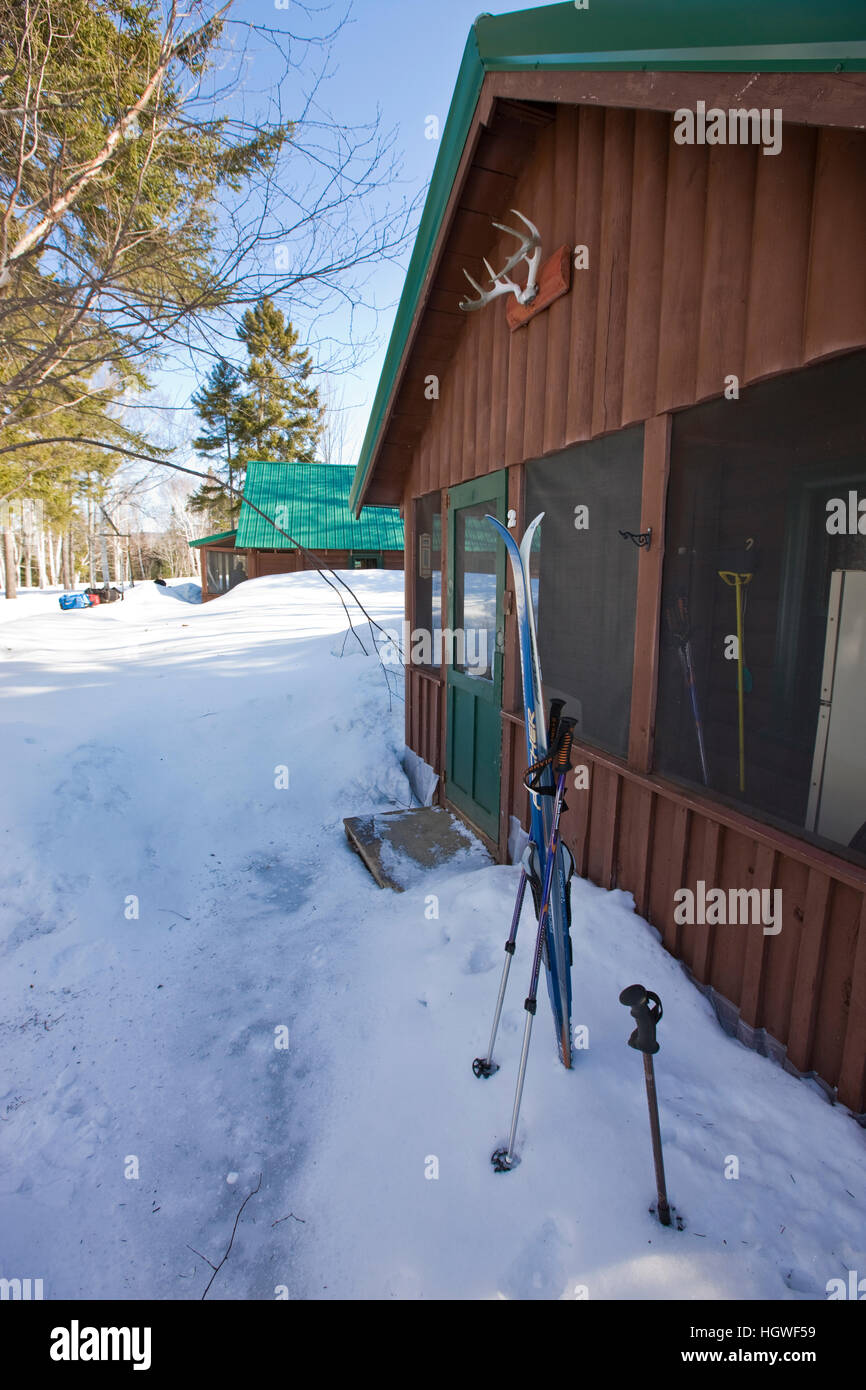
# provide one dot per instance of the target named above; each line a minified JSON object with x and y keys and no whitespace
{"x":186,"y":591}
{"x":202,"y":985}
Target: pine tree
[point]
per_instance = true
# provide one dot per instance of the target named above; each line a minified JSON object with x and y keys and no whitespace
{"x":217,"y":403}
{"x":279,"y":415}
{"x":266,"y":410}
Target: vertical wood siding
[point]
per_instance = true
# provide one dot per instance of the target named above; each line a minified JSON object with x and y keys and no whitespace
{"x":704,"y":263}
{"x":806,"y":986}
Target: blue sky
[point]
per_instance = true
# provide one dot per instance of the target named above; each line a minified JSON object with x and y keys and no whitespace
{"x":402,"y":57}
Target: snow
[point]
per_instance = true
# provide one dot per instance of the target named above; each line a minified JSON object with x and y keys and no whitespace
{"x":143,"y":747}
{"x":187,"y":592}
{"x":29,"y":604}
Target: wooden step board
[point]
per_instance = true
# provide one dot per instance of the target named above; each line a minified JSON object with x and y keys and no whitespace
{"x":399,"y":847}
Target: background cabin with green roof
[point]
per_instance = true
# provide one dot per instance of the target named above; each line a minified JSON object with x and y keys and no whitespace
{"x":690,"y":374}
{"x":309,"y":502}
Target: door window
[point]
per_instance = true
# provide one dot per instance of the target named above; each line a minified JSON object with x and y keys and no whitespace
{"x":474,"y":640}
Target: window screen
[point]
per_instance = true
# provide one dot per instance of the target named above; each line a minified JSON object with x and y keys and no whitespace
{"x":225,"y":569}
{"x":585,"y":580}
{"x":763,"y":656}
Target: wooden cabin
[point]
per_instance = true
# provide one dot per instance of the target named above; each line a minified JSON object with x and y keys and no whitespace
{"x":684,"y":398}
{"x":294,"y":516}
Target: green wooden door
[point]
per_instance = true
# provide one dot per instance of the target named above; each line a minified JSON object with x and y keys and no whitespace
{"x":476,"y":577}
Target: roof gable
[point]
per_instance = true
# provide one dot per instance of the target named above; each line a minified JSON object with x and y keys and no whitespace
{"x":786,"y":36}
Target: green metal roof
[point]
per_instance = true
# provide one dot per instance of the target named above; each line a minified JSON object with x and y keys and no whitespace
{"x":212,"y":540}
{"x":613,"y":35}
{"x":679,"y":35}
{"x":311,"y":502}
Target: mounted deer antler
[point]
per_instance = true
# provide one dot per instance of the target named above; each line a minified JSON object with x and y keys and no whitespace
{"x":530,"y":251}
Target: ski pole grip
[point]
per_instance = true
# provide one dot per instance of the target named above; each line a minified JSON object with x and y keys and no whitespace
{"x":556,"y":708}
{"x":565,"y":739}
{"x":646,"y":1010}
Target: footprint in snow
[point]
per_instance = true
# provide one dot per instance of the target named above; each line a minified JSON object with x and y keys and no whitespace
{"x":93,"y":768}
{"x":541,"y":1269}
{"x":800,"y":1281}
{"x":480,"y":960}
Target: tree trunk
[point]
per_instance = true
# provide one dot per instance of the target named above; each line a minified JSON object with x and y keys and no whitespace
{"x":91,"y":543}
{"x":40,"y":559}
{"x":27,"y":546}
{"x":103,"y":545}
{"x":11,"y":567}
{"x":68,"y":579}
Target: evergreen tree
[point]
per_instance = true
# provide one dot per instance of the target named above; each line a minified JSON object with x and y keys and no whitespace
{"x":266,"y":409}
{"x":279,"y":415}
{"x":217,"y":404}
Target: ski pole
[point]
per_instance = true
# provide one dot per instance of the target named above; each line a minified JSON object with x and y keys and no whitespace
{"x":689,"y":669}
{"x":647,"y":1015}
{"x":503,"y":1159}
{"x":680,"y":631}
{"x":691,"y":682}
{"x":485,"y":1066}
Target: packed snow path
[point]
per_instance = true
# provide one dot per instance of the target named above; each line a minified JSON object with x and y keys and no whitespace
{"x":142,"y":748}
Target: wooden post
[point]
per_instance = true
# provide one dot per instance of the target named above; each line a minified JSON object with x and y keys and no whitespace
{"x":656,"y":465}
{"x":852,"y":1072}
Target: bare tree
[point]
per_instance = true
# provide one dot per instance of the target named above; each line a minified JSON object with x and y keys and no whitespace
{"x":140,"y":196}
{"x":335,"y":419}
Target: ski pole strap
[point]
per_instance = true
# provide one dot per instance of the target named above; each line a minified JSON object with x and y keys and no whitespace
{"x":646,"y":1015}
{"x":532,"y":869}
{"x":558,"y":758}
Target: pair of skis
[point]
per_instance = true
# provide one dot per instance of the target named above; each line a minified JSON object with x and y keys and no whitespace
{"x":547,"y":865}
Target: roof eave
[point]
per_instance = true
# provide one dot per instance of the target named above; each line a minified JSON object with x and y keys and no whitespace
{"x":794,"y":57}
{"x":211,"y":540}
{"x":834,"y":56}
{"x":457,"y":126}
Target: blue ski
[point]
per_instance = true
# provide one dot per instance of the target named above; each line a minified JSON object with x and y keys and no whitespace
{"x":557,"y":951}
{"x":559,"y":901}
